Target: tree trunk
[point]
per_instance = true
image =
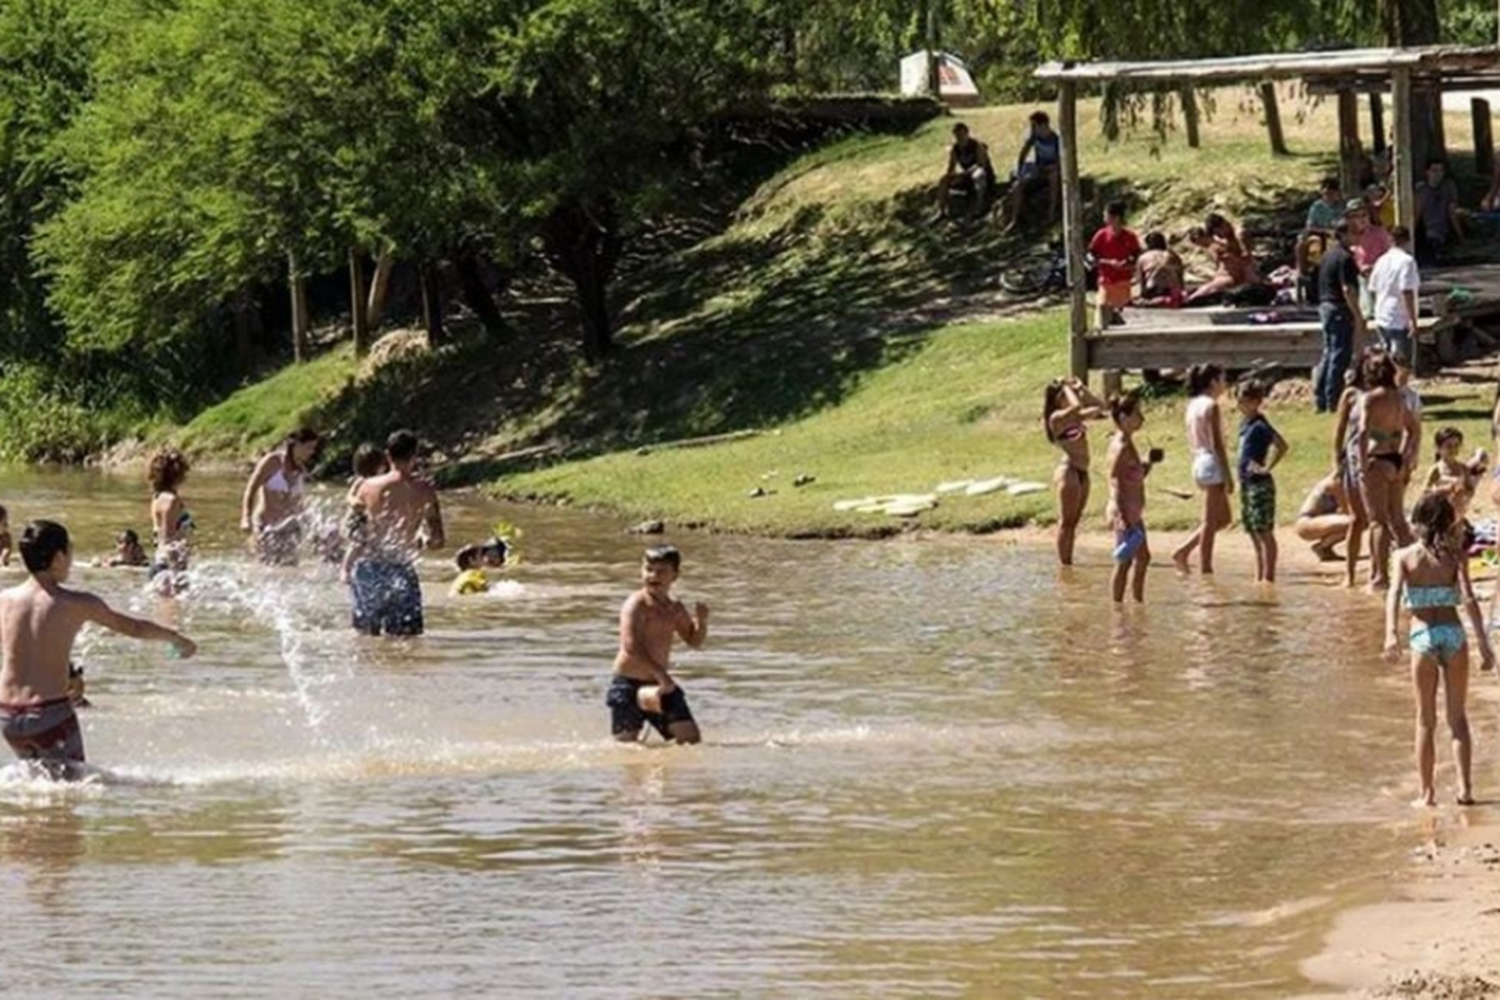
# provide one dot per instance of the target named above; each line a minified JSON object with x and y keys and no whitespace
{"x":934,"y":60}
{"x":358,"y":305}
{"x":477,"y":295}
{"x":1189,"y":98}
{"x":1273,"y":118}
{"x":244,"y":331}
{"x":300,"y":319}
{"x":431,"y":279}
{"x":380,"y":286}
{"x":583,"y":243}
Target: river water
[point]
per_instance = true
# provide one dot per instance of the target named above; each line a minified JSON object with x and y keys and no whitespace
{"x":933,"y":769}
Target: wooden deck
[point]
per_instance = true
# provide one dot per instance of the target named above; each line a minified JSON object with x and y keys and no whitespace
{"x":1176,"y":338}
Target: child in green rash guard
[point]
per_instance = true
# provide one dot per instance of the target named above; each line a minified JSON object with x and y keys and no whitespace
{"x":1261,"y":447}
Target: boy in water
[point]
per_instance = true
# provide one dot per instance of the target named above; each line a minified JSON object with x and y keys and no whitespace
{"x":1261,"y":447}
{"x":472,"y":561}
{"x":39,"y":620}
{"x":642,"y":690}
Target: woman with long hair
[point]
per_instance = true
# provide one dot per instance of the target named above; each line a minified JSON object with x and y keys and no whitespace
{"x":1211,"y":470}
{"x":1387,"y":434}
{"x":271,"y":509}
{"x":1348,"y":429}
{"x":1433,"y":576}
{"x":1066,"y":405}
{"x":171,"y":523}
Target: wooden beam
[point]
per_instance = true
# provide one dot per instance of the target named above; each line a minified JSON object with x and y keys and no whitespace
{"x":1067,"y":117}
{"x":1484,"y":137}
{"x":1273,"y":118}
{"x":1348,"y":105}
{"x":1189,"y":98}
{"x":1401,"y":122}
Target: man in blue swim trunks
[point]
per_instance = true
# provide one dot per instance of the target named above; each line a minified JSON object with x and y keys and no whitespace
{"x":39,"y":620}
{"x":643,"y":690}
{"x":402,"y":518}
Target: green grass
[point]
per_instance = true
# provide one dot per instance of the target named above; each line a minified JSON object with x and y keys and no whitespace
{"x":263,"y":413}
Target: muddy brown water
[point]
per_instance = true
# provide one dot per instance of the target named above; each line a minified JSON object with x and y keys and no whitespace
{"x":934,"y":769}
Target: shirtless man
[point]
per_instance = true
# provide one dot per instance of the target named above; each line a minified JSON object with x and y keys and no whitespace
{"x":39,"y":620}
{"x":401,"y":518}
{"x":642,"y":690}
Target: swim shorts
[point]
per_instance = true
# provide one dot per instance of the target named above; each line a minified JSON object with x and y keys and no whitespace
{"x":1258,"y":505}
{"x":1206,"y":469}
{"x":387,"y":598}
{"x":1128,"y":542}
{"x":47,"y":731}
{"x":626,"y":716}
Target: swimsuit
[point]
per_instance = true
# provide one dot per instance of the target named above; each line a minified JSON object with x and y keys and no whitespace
{"x":1386,"y":437}
{"x":1442,"y":640}
{"x":627,"y":716}
{"x":1206,"y":469}
{"x":1258,"y":505}
{"x":276,"y":544}
{"x":1074,"y":432}
{"x":387,"y":597}
{"x":47,"y":731}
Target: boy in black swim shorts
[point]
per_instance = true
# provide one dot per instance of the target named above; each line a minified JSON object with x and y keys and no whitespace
{"x":643,"y":690}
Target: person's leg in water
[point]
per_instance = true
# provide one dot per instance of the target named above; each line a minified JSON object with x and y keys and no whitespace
{"x":1455,"y":696}
{"x":1424,"y":676}
{"x":1216,"y":517}
{"x":669,"y":714}
{"x":1359,"y":523}
{"x":1141,"y":564}
{"x":1072,"y":497}
{"x":1272,"y":552}
{"x":1379,"y":483}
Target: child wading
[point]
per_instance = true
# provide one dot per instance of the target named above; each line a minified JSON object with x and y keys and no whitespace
{"x":1261,"y":447}
{"x":643,"y":690}
{"x":1433,"y":574}
{"x":1127,"y":499}
{"x":1205,"y":435}
{"x":39,"y":620}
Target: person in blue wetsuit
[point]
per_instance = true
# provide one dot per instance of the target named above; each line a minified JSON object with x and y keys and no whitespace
{"x":1432,"y":575}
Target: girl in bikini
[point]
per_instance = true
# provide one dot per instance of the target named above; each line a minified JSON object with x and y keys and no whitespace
{"x":1067,"y":404}
{"x":1433,"y":575}
{"x":170,"y":521}
{"x":1205,"y":436}
{"x":1127,"y":500}
{"x":1387,"y":434}
{"x":271,"y":509}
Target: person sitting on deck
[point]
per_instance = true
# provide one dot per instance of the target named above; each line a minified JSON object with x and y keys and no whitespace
{"x":1160,"y":272}
{"x":1436,"y":220}
{"x":969,"y":170}
{"x":1322,"y":216}
{"x":1045,"y":147}
{"x":1235,"y":268}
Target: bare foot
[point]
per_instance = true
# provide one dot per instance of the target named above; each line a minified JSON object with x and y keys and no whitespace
{"x":1180,"y":560}
{"x":1426,"y":800}
{"x":1465,"y":799}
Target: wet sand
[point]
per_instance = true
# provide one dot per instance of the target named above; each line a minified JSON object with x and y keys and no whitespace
{"x":1431,"y":931}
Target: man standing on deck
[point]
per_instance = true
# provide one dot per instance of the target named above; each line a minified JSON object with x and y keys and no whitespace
{"x":400,"y":518}
{"x":1395,"y":282}
{"x":1339,"y":313}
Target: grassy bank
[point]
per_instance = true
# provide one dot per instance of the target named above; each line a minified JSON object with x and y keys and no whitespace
{"x":864,"y":341}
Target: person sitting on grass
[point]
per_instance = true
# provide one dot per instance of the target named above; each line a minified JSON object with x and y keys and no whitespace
{"x":1234,"y":267}
{"x":1044,"y":171}
{"x":969,"y":170}
{"x":1160,"y":272}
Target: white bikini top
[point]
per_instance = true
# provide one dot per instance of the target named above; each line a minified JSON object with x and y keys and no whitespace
{"x":277,"y":482}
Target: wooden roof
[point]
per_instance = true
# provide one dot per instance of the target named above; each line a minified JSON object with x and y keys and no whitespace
{"x":1469,"y":62}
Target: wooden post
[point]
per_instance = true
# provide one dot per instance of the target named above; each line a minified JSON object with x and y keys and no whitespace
{"x":359,"y":305}
{"x":1073,"y":230}
{"x":1348,"y":142}
{"x":1189,"y":98}
{"x":379,"y":286}
{"x":1402,"y":151}
{"x":1377,"y":122}
{"x":1273,"y":118}
{"x":1484,"y":138}
{"x":300,"y":320}
{"x":432,"y":303}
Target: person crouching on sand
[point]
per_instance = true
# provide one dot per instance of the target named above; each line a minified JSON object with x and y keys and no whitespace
{"x":1433,"y":576}
{"x":1127,"y":499}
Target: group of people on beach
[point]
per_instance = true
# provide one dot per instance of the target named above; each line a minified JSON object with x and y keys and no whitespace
{"x":1419,"y":561}
{"x":392,"y":517}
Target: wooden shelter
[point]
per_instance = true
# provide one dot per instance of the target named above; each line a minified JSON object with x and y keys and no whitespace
{"x":1176,"y":340}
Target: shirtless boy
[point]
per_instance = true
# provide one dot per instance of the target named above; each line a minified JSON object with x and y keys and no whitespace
{"x":642,"y":690}
{"x":401,"y":518}
{"x":39,"y":620}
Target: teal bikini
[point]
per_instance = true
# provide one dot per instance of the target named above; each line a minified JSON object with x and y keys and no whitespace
{"x":1443,"y":640}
